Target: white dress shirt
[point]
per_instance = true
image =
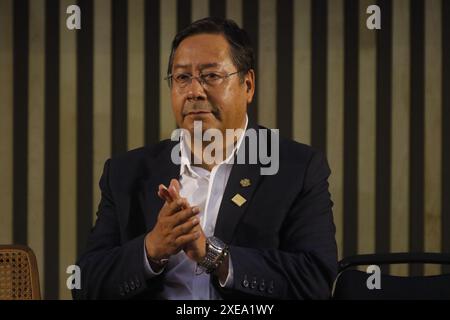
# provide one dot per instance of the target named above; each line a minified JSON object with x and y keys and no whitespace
{"x":204,"y":189}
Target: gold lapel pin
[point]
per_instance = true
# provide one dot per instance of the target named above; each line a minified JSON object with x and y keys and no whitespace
{"x":238,"y":200}
{"x":245,"y":182}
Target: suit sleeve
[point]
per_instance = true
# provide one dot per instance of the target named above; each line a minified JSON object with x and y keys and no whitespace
{"x":110,"y":269}
{"x":305,"y":264}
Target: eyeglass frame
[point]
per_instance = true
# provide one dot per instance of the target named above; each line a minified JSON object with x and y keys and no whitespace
{"x":202,"y":82}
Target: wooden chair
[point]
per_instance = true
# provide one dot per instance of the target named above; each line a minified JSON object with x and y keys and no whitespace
{"x":19,"y":276}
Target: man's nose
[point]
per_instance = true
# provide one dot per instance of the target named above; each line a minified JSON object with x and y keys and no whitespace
{"x":196,"y":89}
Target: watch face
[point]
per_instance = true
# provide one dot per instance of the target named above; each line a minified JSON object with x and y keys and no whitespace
{"x":216,"y":242}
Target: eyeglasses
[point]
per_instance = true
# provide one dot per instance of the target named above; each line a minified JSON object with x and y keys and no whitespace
{"x":210,"y":79}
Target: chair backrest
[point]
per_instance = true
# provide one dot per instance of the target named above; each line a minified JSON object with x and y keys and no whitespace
{"x":19,"y":276}
{"x":352,"y":284}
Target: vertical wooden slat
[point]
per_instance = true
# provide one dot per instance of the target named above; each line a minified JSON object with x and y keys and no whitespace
{"x":319,"y":13}
{"x":200,"y":9}
{"x":135,"y":74}
{"x":6,"y":121}
{"x":184,"y":13}
{"x":21,"y":12}
{"x":168,"y":30}
{"x":445,"y":207}
{"x":250,"y":23}
{"x":285,"y":61}
{"x":383,"y":130}
{"x":417,"y":143}
{"x":433,"y":77}
{"x":102,"y":93}
{"x":266,"y":89}
{"x":85,"y":111}
{"x":36,"y":133}
{"x":302,"y":72}
{"x":366,"y":134}
{"x":351,"y":93}
{"x":52,"y":138}
{"x":400,"y":132}
{"x":234,"y":11}
{"x":119,"y":76}
{"x":67,"y":156}
{"x":217,"y":8}
{"x":152,"y":76}
{"x":335,"y":113}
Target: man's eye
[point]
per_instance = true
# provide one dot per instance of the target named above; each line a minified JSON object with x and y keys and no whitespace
{"x":211,"y":76}
{"x":183,"y":77}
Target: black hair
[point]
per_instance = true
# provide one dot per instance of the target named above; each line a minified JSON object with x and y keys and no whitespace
{"x":241,"y":51}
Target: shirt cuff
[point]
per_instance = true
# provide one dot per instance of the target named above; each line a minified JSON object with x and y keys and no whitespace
{"x":229,"y":280}
{"x":149,"y":272}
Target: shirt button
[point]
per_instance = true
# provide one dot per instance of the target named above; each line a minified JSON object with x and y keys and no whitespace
{"x":245,"y":282}
{"x":271,"y":287}
{"x":262,"y":286}
{"x":253,"y":284}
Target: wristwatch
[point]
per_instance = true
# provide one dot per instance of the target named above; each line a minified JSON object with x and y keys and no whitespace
{"x":216,"y":251}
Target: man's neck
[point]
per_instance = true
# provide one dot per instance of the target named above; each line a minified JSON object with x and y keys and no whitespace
{"x":227,"y":150}
{"x":198,"y":153}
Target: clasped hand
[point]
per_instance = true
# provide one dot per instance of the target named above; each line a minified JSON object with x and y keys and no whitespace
{"x":177,"y":227}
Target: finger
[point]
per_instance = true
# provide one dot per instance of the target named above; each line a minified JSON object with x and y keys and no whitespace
{"x":181,"y":241}
{"x":184,"y":215}
{"x":165,"y":208}
{"x":178,"y":205}
{"x":174,"y":189}
{"x":167,"y":200}
{"x":186,"y":227}
{"x":164,"y":193}
{"x":173,"y":192}
{"x":176,"y":184}
{"x":170,"y":208}
{"x":198,"y":227}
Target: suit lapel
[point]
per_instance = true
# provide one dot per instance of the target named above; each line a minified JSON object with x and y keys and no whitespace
{"x":231,"y":213}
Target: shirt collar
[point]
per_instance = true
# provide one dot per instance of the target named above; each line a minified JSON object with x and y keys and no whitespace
{"x":186,"y":166}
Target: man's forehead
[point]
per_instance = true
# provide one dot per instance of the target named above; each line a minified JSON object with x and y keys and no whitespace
{"x":206,"y":40}
{"x":204,"y":50}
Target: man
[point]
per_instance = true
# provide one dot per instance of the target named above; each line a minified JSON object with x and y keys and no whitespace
{"x":202,"y":230}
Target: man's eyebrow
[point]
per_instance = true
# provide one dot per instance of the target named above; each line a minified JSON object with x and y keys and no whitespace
{"x":182,"y":66}
{"x":201,"y":66}
{"x":209,"y":65}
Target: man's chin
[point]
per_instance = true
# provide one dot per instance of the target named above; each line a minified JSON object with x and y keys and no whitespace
{"x":206,"y":123}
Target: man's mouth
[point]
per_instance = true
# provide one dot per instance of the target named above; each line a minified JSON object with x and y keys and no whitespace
{"x":198,"y":112}
{"x":201,"y":111}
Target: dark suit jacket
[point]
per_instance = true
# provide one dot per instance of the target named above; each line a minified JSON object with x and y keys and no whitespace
{"x":281,"y":240}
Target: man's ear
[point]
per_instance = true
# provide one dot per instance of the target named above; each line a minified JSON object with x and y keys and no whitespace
{"x":250,"y":79}
{"x":250,"y":84}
